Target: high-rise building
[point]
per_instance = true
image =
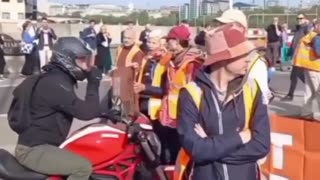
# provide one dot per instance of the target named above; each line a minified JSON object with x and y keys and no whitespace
{"x":207,"y":7}
{"x":194,"y":10}
{"x":184,"y":11}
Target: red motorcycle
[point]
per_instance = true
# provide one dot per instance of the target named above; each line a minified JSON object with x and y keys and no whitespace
{"x":115,"y":154}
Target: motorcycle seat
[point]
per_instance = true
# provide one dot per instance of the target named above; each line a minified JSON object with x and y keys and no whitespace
{"x":11,"y":169}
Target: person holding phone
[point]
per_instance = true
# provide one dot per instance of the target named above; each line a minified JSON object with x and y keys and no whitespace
{"x":103,"y":57}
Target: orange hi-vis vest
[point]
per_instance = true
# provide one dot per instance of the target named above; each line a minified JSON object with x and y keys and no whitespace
{"x":250,"y":91}
{"x":133,"y":51}
{"x":177,"y":80}
{"x":305,"y":56}
{"x":154,"y":104}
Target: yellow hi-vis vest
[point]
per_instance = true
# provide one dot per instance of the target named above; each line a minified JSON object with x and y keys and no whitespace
{"x":250,"y":91}
{"x":305,"y":56}
{"x":154,"y":104}
{"x":133,"y":51}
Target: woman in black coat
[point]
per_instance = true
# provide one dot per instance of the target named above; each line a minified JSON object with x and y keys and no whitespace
{"x":103,"y":58}
{"x":2,"y":61}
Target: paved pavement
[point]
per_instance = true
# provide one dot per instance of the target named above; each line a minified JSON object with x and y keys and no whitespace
{"x":280,"y":84}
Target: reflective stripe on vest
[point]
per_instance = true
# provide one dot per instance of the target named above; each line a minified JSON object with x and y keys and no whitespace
{"x":253,"y":63}
{"x":133,"y":51}
{"x":305,"y":56}
{"x":250,"y":91}
{"x":154,"y":104}
{"x":177,"y":80}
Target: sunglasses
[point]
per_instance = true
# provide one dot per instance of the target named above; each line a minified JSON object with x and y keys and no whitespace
{"x":300,"y":18}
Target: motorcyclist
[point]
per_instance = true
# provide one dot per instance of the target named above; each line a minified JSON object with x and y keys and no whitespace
{"x":53,"y":106}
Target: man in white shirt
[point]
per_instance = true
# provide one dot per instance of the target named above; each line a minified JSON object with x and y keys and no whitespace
{"x":46,"y":36}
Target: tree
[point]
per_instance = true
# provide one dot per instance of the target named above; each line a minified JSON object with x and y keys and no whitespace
{"x":166,"y":21}
{"x":76,"y":14}
{"x":143,"y":18}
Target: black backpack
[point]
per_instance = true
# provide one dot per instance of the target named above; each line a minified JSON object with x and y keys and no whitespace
{"x":19,"y":115}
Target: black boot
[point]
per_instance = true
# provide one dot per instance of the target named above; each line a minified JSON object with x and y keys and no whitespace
{"x":287,"y":98}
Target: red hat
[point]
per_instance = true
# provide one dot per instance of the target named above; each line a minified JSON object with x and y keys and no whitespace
{"x":227,"y":42}
{"x":179,"y":32}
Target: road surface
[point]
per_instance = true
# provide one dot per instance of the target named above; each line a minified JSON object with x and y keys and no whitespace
{"x":280,"y":84}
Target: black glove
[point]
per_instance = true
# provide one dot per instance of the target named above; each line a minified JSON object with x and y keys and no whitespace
{"x":112,"y":115}
{"x":94,"y":76}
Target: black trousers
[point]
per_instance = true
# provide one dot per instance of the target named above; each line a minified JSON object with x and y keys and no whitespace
{"x":296,"y":73}
{"x":2,"y":62}
{"x":32,"y":63}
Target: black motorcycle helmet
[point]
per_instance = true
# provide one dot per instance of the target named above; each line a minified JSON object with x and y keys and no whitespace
{"x":66,"y":51}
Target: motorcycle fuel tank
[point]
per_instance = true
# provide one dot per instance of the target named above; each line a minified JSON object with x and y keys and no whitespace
{"x":98,"y":143}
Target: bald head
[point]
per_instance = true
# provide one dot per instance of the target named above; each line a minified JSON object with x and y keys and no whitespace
{"x":148,"y":27}
{"x":129,"y":37}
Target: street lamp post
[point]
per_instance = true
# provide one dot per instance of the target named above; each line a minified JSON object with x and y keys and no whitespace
{"x":230,"y":4}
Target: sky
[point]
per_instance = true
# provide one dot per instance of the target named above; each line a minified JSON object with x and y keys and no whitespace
{"x":155,"y":4}
{"x":150,"y":4}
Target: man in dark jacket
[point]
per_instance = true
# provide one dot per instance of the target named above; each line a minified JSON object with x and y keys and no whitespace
{"x":274,"y":41}
{"x":215,"y":134}
{"x":53,"y":106}
{"x":89,"y":35}
{"x":302,"y":29}
{"x":144,"y":37}
{"x":2,"y":60}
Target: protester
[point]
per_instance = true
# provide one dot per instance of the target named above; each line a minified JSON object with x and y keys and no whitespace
{"x":2,"y":60}
{"x":307,"y":57}
{"x":89,"y":35}
{"x":129,"y":54}
{"x":144,"y":37}
{"x":186,"y":23}
{"x":231,"y":16}
{"x":46,"y":36}
{"x":29,"y":48}
{"x":151,"y":85}
{"x":103,"y":58}
{"x":129,"y":27}
{"x":258,"y":68}
{"x":297,"y":73}
{"x":222,"y":122}
{"x":181,"y":69}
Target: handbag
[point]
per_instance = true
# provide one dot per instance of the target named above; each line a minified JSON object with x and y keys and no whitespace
{"x":27,"y":48}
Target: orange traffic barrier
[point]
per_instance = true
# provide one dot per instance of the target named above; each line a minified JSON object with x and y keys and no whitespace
{"x":295,"y":151}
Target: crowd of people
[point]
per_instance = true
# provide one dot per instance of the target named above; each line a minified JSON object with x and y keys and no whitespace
{"x":197,"y":98}
{"x":211,"y":96}
{"x":302,"y":68}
